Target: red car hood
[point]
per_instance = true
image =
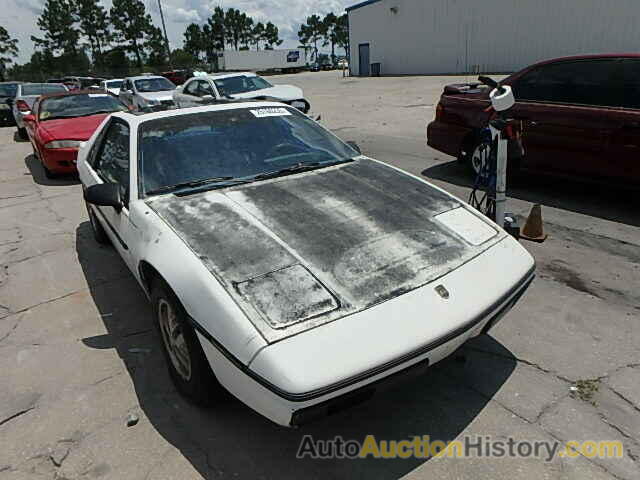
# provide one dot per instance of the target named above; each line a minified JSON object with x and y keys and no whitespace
{"x":79,"y":128}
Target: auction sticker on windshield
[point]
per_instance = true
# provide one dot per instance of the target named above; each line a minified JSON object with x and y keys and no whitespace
{"x":270,"y":112}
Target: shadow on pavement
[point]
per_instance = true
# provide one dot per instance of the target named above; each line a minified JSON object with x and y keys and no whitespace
{"x":606,"y":202}
{"x":232,"y":440}
{"x":37,"y":172}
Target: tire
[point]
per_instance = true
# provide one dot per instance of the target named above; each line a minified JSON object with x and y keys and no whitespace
{"x":477,"y":157}
{"x":98,"y":232}
{"x":22,"y":133}
{"x":188,"y":367}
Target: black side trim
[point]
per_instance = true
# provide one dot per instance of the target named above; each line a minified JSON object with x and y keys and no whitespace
{"x":113,"y":230}
{"x":503,"y":304}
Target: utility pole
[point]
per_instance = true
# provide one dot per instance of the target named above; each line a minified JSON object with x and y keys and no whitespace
{"x":166,"y":38}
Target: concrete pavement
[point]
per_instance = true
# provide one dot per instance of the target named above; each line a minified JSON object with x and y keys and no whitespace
{"x":78,"y":351}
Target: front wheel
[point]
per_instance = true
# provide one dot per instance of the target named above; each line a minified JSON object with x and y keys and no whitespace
{"x":186,"y":361}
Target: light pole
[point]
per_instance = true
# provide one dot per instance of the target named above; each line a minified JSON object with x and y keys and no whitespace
{"x":166,"y":38}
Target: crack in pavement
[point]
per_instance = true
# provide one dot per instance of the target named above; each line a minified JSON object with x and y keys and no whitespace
{"x":17,"y":414}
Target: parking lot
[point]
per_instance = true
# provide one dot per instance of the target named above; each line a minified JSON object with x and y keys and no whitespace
{"x":79,"y":353}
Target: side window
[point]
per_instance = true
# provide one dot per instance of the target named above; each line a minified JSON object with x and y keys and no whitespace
{"x":631,"y":83}
{"x":584,"y":82}
{"x":112,"y":162}
{"x":192,"y":88}
{"x":205,"y":88}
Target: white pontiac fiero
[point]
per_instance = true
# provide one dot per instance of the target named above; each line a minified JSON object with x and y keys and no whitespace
{"x":284,"y":265}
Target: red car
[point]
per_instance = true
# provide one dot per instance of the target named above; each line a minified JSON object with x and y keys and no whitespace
{"x":580,"y":115}
{"x":59,"y":122}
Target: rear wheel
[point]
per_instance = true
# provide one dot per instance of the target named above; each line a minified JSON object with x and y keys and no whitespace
{"x":22,"y":133}
{"x":478,"y":157}
{"x":186,"y":361}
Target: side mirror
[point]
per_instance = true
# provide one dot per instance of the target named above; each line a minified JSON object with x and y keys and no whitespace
{"x":29,"y":118}
{"x":355,"y":146}
{"x":105,"y":195}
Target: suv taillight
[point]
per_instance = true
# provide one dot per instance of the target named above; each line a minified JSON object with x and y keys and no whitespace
{"x":23,"y":106}
{"x":439,"y":111}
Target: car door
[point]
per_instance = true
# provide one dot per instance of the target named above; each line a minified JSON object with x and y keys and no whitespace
{"x":126,"y":93}
{"x":109,"y":163}
{"x":561,"y":105}
{"x":206,"y":91}
{"x":622,"y":155}
{"x":186,"y":96}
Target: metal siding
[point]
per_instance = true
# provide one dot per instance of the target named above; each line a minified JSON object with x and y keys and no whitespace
{"x":457,"y":36}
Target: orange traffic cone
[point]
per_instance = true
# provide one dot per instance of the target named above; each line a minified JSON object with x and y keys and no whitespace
{"x":534,"y":230}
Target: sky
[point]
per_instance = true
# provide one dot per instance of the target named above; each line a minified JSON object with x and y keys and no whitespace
{"x":19,"y":16}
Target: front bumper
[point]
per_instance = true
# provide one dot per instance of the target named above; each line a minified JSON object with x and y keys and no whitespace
{"x":60,"y":160}
{"x":297,"y":409}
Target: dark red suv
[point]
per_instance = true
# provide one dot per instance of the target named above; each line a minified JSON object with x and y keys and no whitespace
{"x":580,"y":115}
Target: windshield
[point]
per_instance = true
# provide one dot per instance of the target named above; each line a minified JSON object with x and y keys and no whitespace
{"x":232,"y":144}
{"x":114,"y":84}
{"x":42,"y":88}
{"x":8,"y":90}
{"x":154,"y":85}
{"x":241,"y":84}
{"x":79,"y":106}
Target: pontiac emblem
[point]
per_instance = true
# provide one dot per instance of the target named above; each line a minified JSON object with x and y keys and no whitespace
{"x":443,"y":292}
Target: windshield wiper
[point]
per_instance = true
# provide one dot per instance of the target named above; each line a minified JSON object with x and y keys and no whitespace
{"x":299,"y":167}
{"x":194,"y":183}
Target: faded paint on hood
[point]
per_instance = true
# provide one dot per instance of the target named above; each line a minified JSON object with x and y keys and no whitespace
{"x":79,"y":128}
{"x":365,"y":231}
{"x":282,"y":92}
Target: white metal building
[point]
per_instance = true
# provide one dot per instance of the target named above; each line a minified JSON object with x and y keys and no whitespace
{"x":459,"y":36}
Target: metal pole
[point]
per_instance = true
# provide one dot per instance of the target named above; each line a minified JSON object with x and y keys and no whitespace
{"x":501,"y":179}
{"x":166,"y":38}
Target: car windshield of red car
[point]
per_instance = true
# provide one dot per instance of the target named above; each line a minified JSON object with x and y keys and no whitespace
{"x":70,"y":106}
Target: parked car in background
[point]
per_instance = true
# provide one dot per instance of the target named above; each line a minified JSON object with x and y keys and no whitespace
{"x":581,"y":118}
{"x":78,"y":83}
{"x":60,"y":122}
{"x":26,"y":95}
{"x":265,"y":243}
{"x":178,"y":77}
{"x":246,"y":85}
{"x":147,"y":91}
{"x":112,"y":85}
{"x":8,"y":92}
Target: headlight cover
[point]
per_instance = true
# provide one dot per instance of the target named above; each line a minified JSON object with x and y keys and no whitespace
{"x":63,"y":144}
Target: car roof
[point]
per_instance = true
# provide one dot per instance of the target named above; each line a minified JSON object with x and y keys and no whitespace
{"x":144,"y":77}
{"x":591,"y":56}
{"x":225,"y":75}
{"x":137,"y":118}
{"x":77,"y":92}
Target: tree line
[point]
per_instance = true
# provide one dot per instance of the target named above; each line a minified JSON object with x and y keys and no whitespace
{"x":79,"y":36}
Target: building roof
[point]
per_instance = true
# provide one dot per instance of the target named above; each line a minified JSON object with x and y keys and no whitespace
{"x":361,"y":4}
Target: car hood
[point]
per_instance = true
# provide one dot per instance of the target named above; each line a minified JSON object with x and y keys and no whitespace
{"x":281,"y":92}
{"x":311,"y":248}
{"x":79,"y":128}
{"x":166,"y":95}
